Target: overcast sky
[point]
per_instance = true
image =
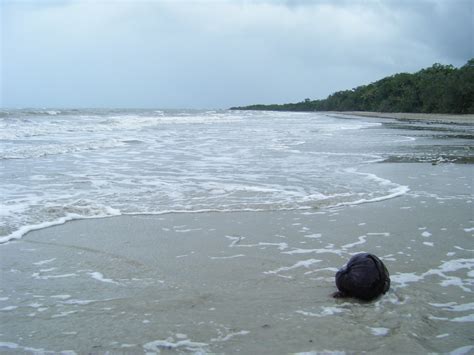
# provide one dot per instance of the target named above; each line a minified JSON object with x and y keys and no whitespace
{"x":218,"y":53}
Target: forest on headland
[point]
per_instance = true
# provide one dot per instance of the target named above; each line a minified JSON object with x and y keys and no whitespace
{"x":437,"y":89}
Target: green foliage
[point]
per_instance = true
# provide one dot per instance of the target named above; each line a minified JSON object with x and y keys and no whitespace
{"x":438,"y":89}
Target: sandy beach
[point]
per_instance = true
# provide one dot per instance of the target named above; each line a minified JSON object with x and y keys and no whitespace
{"x":250,"y":282}
{"x":403,"y":116}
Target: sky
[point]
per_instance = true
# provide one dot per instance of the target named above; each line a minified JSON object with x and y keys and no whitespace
{"x":217,"y":53}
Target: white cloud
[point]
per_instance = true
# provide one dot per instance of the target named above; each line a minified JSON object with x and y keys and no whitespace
{"x":218,"y":53}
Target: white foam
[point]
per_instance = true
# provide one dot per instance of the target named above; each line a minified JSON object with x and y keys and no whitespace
{"x":170,"y":344}
{"x":315,"y":251}
{"x":63,"y":314}
{"x":38,"y":276}
{"x":43,"y":262}
{"x":226,"y":257}
{"x":461,"y":248}
{"x":469,"y":318}
{"x":79,"y":302}
{"x":379,"y":331}
{"x":395,"y":190}
{"x":456,"y":264}
{"x":61,"y":297}
{"x":325,"y":311}
{"x":236,"y":243}
{"x":100,"y":277}
{"x":9,"y":345}
{"x":235,"y":240}
{"x":14,"y":346}
{"x":45,"y":150}
{"x":186,"y":230}
{"x":403,"y":279}
{"x":302,"y":263}
{"x":456,"y":281}
{"x":362,"y":240}
{"x":125,"y":346}
{"x":280,"y":246}
{"x":222,"y":338}
{"x":313,"y":236}
{"x":454,"y":307}
{"x":20,"y":232}
{"x":8,"y":308}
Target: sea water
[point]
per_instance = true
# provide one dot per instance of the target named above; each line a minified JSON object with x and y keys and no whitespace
{"x":229,"y":281}
{"x":58,"y":165}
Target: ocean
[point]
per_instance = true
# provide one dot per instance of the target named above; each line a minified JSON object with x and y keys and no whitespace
{"x":59,"y":165}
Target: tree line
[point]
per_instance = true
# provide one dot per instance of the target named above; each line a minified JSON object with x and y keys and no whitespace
{"x":437,"y":89}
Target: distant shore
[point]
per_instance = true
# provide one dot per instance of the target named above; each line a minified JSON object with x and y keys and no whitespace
{"x":438,"y":117}
{"x":438,"y":89}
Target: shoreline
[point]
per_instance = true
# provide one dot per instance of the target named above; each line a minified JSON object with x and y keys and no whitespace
{"x":405,"y":116}
{"x":223,"y":282}
{"x":454,"y":156}
{"x":24,"y":231}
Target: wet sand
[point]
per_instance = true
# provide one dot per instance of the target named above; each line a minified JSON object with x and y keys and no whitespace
{"x":431,"y":117}
{"x":254,"y":283}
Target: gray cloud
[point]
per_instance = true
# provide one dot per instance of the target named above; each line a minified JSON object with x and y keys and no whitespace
{"x":218,"y":53}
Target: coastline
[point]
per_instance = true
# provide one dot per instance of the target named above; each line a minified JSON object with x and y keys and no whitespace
{"x":224,"y":282}
{"x":404,"y":116}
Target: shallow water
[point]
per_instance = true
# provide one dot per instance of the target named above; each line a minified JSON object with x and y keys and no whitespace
{"x":63,"y":165}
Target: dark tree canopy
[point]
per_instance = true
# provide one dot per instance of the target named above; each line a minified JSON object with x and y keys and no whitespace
{"x":438,"y":89}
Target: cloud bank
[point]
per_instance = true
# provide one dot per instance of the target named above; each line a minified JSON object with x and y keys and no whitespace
{"x":216,"y":54}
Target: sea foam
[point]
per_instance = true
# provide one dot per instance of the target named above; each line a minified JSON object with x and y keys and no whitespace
{"x":72,"y":164}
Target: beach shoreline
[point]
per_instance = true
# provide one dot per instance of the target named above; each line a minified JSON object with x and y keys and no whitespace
{"x":404,"y":116}
{"x":254,"y":282}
